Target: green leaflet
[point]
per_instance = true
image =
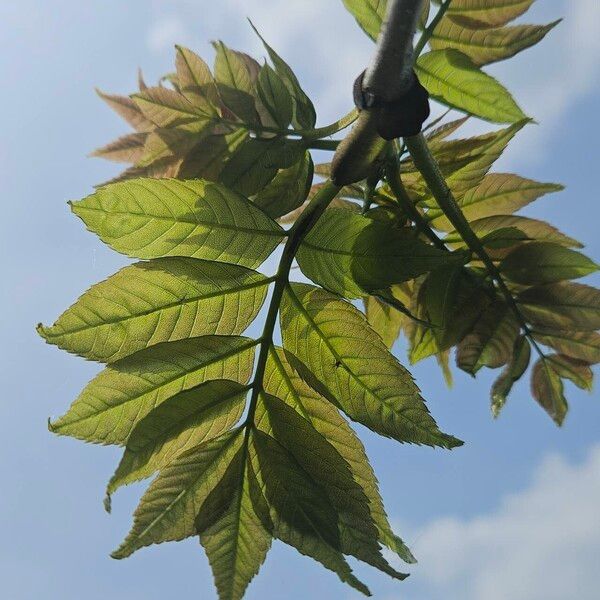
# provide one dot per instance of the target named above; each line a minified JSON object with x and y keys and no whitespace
{"x":288,"y":189}
{"x":185,"y":420}
{"x":282,"y":381}
{"x":152,"y":218}
{"x":544,"y":262}
{"x":358,"y":535}
{"x":497,"y":194}
{"x":567,"y":305}
{"x":351,"y":254}
{"x":196,"y":82}
{"x":167,"y":511}
{"x":275,"y":97}
{"x":235,"y":74}
{"x":304,"y":111}
{"x":257,"y":161}
{"x":110,"y":406}
{"x":490,"y":343}
{"x":335,"y":344}
{"x":487,"y":13}
{"x":453,"y":79}
{"x":231,"y":530}
{"x":548,"y":390}
{"x":510,"y":374}
{"x":387,"y":321}
{"x":158,"y":301}
{"x":369,"y":14}
{"x":299,"y":509}
{"x":484,"y":46}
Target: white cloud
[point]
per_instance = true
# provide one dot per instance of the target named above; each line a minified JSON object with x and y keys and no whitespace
{"x":165,"y":32}
{"x":542,"y":543}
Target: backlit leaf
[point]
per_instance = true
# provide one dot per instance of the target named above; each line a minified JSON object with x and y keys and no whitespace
{"x":544,"y":262}
{"x":349,"y":362}
{"x":484,"y":46}
{"x":577,"y":371}
{"x":283,"y":382}
{"x":181,"y":422}
{"x":275,"y":96}
{"x":453,"y":79}
{"x":565,"y":305}
{"x":490,"y":343}
{"x":153,"y":218}
{"x":167,"y":511}
{"x":548,"y":390}
{"x":487,"y":13}
{"x":351,"y":254}
{"x":369,"y":14}
{"x":288,"y":189}
{"x":510,"y":374}
{"x":581,"y":345}
{"x":301,"y":513}
{"x":158,"y":301}
{"x":110,"y":406}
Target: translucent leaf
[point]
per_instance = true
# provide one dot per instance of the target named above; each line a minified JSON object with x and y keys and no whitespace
{"x":577,"y":371}
{"x":275,"y":96}
{"x":351,"y":254}
{"x":502,"y":232}
{"x":210,"y":155}
{"x":510,"y":374}
{"x":126,"y":391}
{"x":196,"y":81}
{"x":349,"y":363}
{"x":581,"y":345}
{"x":304,"y":111}
{"x":301,"y":513}
{"x":547,"y":388}
{"x":384,"y":319}
{"x":498,"y":194}
{"x":158,"y":301}
{"x":282,"y":381}
{"x":165,"y":107}
{"x":235,"y":82}
{"x":563,"y":305}
{"x":453,"y":79}
{"x":484,"y":46}
{"x":167,"y":511}
{"x":146,"y":218}
{"x":490,"y":343}
{"x":329,"y":470}
{"x":231,"y":530}
{"x":257,"y":161}
{"x":175,"y":142}
{"x":544,"y":262}
{"x":126,"y":108}
{"x":288,"y":189}
{"x":369,"y":14}
{"x":181,"y":422}
{"x":128,"y":149}
{"x":487,"y":13}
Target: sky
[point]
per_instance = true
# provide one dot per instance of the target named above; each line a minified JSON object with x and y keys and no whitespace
{"x":512,"y":514}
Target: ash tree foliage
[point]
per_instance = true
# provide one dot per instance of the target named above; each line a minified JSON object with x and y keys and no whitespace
{"x":248,"y":440}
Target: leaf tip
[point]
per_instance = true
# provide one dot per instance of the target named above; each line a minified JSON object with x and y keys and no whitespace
{"x":107,"y":502}
{"x":51,"y":427}
{"x":42,"y":331}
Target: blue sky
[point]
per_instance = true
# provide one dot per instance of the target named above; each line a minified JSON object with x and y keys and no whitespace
{"x":512,"y":514}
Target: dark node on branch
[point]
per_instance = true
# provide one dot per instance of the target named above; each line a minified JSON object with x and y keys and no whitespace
{"x":401,"y":117}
